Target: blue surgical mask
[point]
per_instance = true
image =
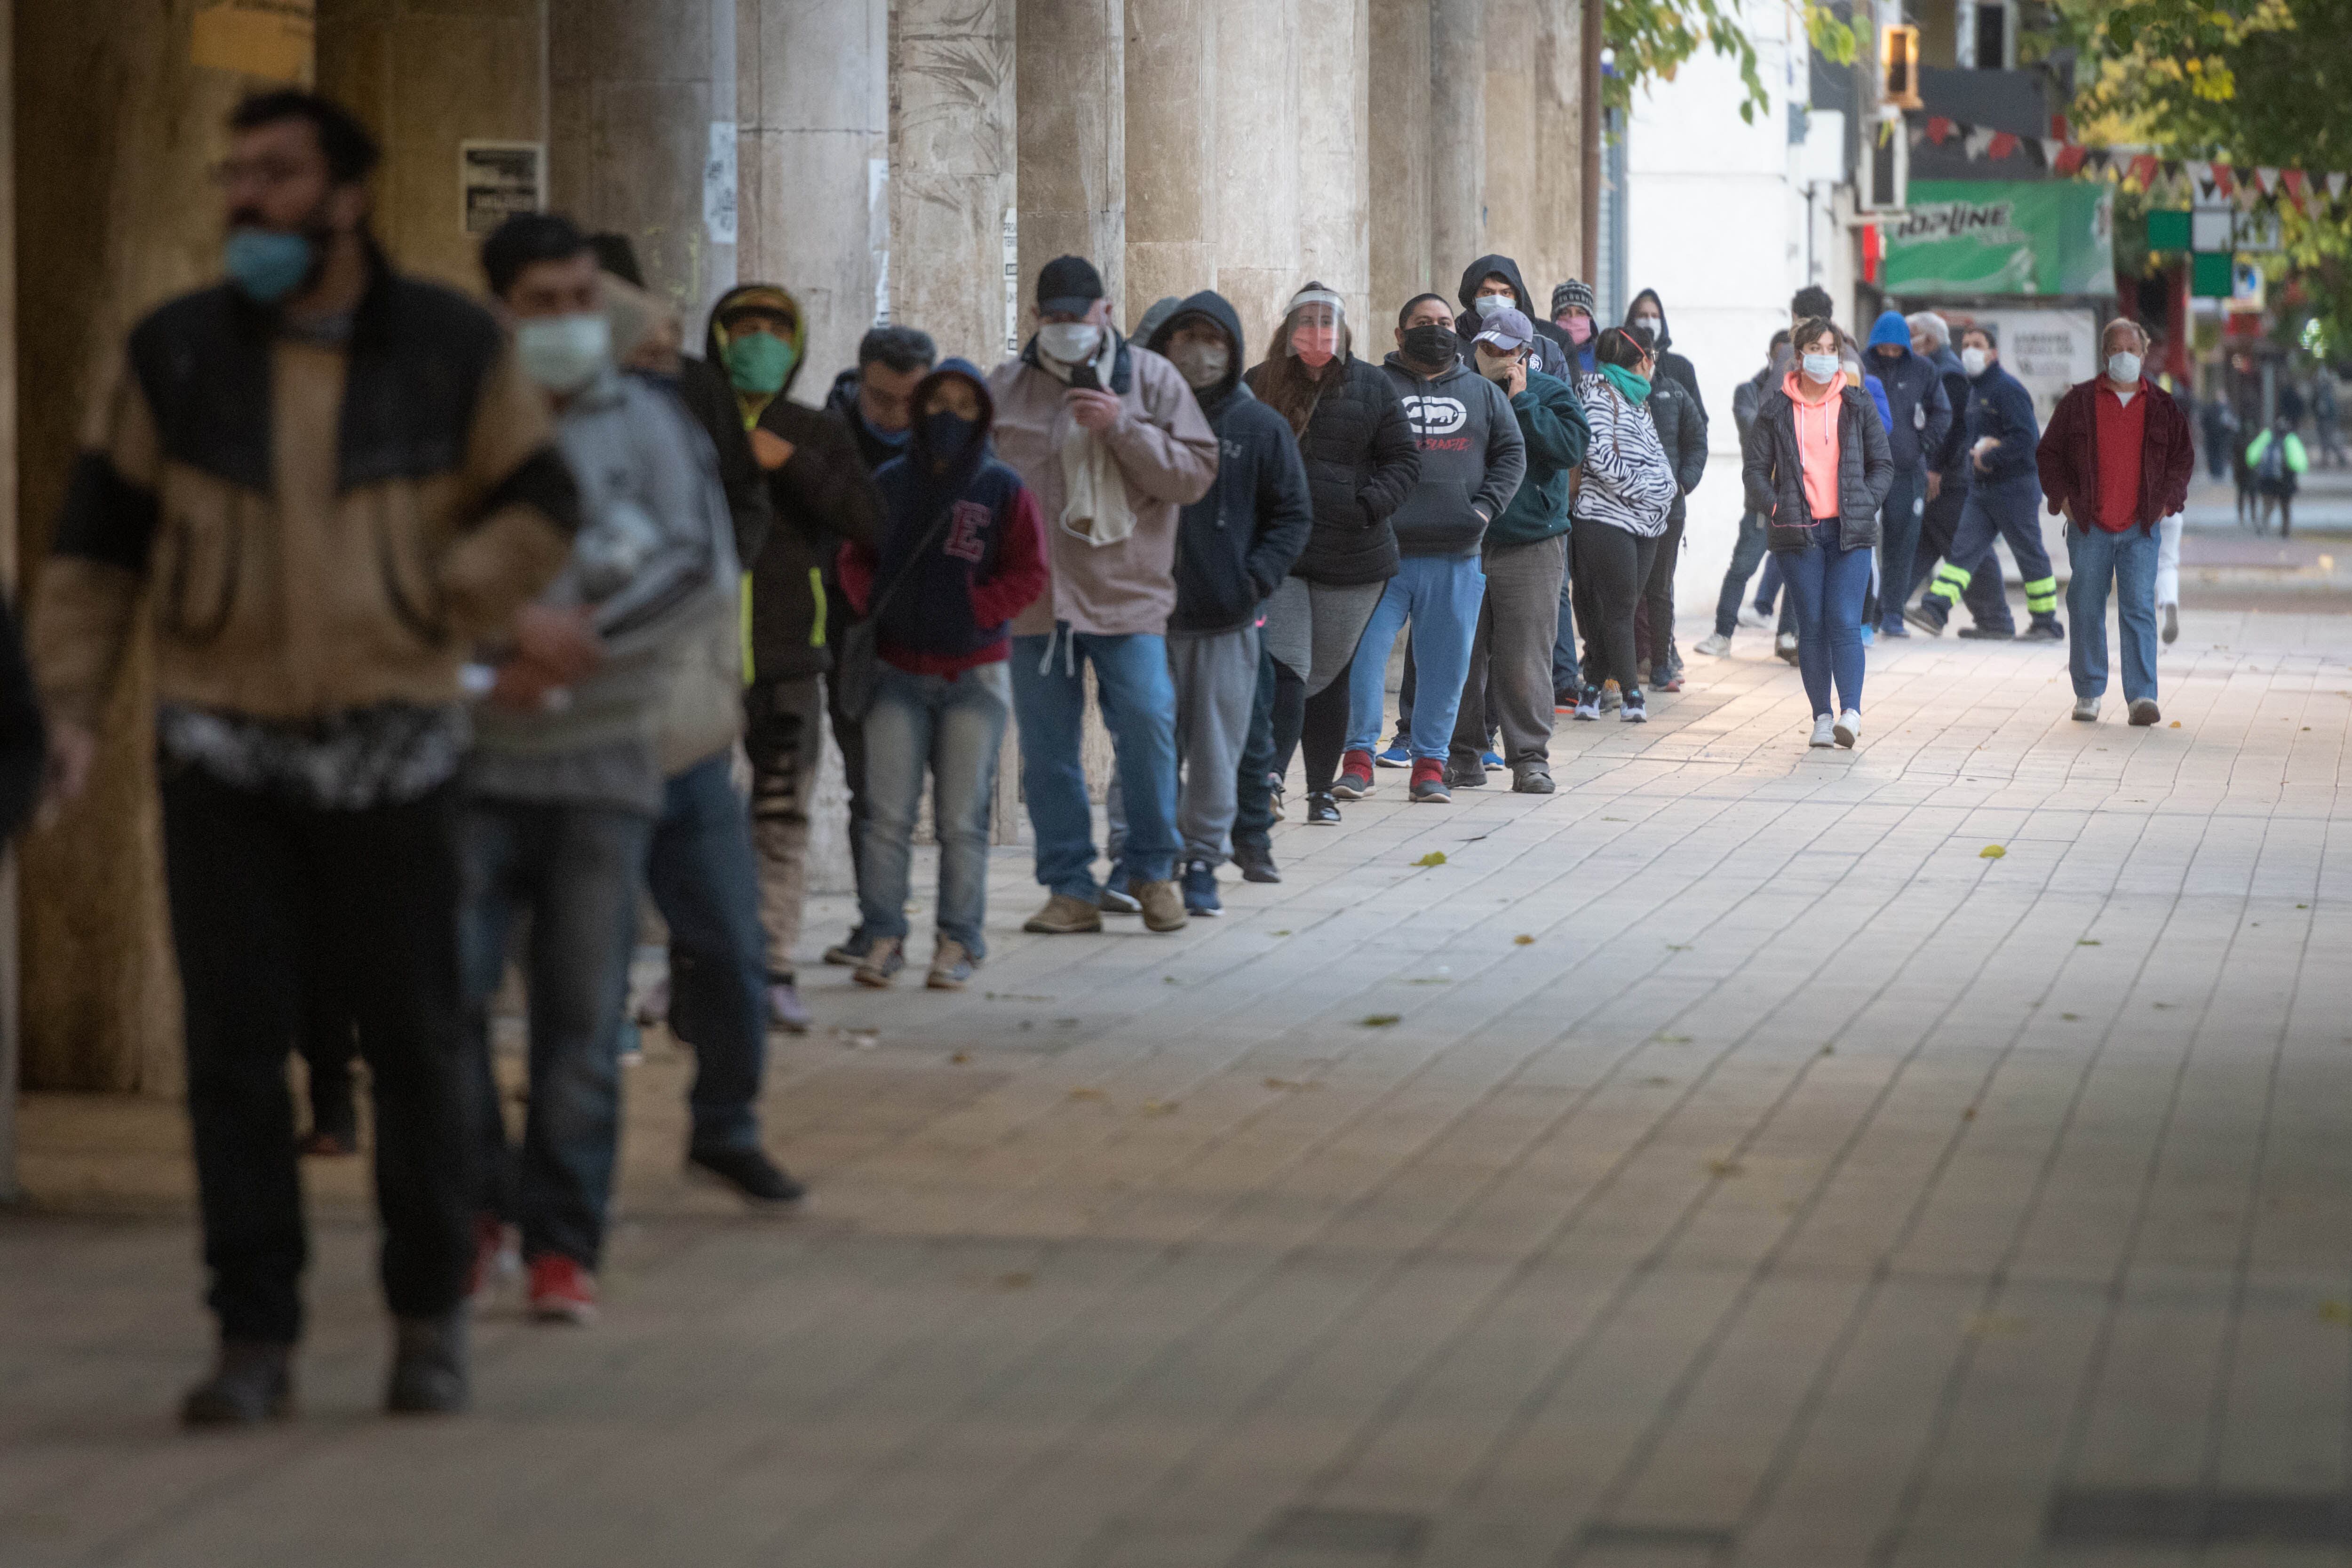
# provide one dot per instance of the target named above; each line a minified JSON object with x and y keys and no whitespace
{"x":1821,"y":369}
{"x":565,"y":354}
{"x":266,"y":265}
{"x":891,"y":439}
{"x":945,"y":434}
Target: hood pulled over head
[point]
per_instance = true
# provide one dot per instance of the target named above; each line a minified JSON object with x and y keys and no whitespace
{"x":1218,"y":311}
{"x":768,"y":297}
{"x":922,"y":445}
{"x":1892,"y":329}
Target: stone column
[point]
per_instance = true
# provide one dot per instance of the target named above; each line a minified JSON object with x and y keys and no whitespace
{"x":1509,"y":207}
{"x":1072,"y":112}
{"x":11,"y":1022}
{"x":1559,"y":137}
{"x":426,"y":75}
{"x":642,"y":126}
{"x":1333,"y":51}
{"x":115,"y":125}
{"x":954,"y":175}
{"x":1172,"y":205}
{"x":1400,"y":146}
{"x":814,"y":95}
{"x":1457,"y":137}
{"x":1258,"y":163}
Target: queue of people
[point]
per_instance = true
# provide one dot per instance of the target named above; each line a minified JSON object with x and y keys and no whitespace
{"x":467,"y":619}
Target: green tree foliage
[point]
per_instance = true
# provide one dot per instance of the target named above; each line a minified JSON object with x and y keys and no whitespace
{"x":1649,"y":40}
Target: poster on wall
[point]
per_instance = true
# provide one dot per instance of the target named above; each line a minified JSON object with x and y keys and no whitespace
{"x":272,"y":40}
{"x":497,"y":180}
{"x":1994,"y":236}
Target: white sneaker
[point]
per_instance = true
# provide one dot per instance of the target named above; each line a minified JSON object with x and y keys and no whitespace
{"x":1848,"y":729}
{"x":1825,"y":730}
{"x":1715,"y":646}
{"x":1785,"y":645}
{"x":1749,"y":616}
{"x":2087,"y":709}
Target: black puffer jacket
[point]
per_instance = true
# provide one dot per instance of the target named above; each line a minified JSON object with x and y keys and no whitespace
{"x":1682,"y":431}
{"x":1362,"y":459}
{"x":1775,"y":476}
{"x":1670,"y":364}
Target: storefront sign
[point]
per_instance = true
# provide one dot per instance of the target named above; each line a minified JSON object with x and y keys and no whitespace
{"x":1991,"y":236}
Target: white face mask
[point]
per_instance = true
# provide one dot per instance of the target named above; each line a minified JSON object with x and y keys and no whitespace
{"x":1973,"y":362}
{"x":1821,"y":369}
{"x":1652,"y":322}
{"x":1487,"y":305}
{"x":565,"y":354}
{"x":1072,"y":343}
{"x":2124,"y":369}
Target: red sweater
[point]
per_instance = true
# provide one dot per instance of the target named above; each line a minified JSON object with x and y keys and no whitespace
{"x":2121,"y":428}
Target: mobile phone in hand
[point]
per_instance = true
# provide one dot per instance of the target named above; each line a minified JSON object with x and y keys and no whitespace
{"x":1083,"y":377}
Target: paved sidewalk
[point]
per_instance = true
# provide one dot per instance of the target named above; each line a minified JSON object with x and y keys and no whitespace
{"x":1731,"y":1159}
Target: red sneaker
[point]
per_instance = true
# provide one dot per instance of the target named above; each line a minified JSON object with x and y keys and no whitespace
{"x":561,"y":1290}
{"x":1354,"y":779}
{"x":494,"y":1256}
{"x":1428,"y":781}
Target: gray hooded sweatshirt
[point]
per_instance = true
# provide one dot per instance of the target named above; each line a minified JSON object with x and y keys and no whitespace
{"x":1472,"y":459}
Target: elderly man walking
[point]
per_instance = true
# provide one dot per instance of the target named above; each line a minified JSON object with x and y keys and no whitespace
{"x":2115,"y":460}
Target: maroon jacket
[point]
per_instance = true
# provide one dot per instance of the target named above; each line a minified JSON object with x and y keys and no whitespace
{"x":2069,"y":454}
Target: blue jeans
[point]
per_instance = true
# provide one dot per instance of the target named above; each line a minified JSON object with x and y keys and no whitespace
{"x":953,"y":727}
{"x":1440,"y":595}
{"x":705,"y":882}
{"x":1567,"y":678}
{"x":1745,"y":553}
{"x":574,"y":870}
{"x":1139,"y":707}
{"x":1828,"y":586}
{"x":2127,"y":561}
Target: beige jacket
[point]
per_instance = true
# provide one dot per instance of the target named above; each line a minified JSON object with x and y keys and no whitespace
{"x":1165,"y":453}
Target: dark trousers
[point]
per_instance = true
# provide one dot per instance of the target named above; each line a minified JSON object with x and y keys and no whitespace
{"x":1613,"y":565}
{"x":265,"y":895}
{"x":1566,"y":679}
{"x":1654,"y":632}
{"x":849,"y":735}
{"x":1253,"y":790}
{"x":1899,"y":539}
{"x":706,"y":883}
{"x":1323,"y":731}
{"x":328,"y":1044}
{"x":1746,"y":552}
{"x":1986,"y":600}
{"x":574,"y":870}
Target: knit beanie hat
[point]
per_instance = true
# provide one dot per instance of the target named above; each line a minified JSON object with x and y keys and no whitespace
{"x":1571,"y":292}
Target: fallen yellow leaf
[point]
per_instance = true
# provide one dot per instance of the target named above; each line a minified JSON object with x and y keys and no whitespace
{"x":1992,"y":852}
{"x":1089,"y":1094}
{"x":1523,"y":940}
{"x":1382,"y":1020}
{"x":1435,"y":858}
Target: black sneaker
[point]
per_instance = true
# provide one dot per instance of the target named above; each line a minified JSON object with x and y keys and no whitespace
{"x":1928,"y":614}
{"x":251,"y":1382}
{"x":1256,"y":863}
{"x":1466,"y":776}
{"x":1322,"y":811}
{"x":1987,"y":634}
{"x":429,"y":1372}
{"x":851,"y":950}
{"x":754,"y":1177}
{"x":2045,"y":628}
{"x":1114,"y":899}
{"x":1201,"y":890}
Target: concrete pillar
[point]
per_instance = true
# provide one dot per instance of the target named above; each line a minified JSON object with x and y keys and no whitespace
{"x":1073,"y":139}
{"x":1508,"y":210}
{"x":115,"y":125}
{"x":1333,"y":59}
{"x":813,"y":94}
{"x":425,"y":76}
{"x":642,"y":123}
{"x":1258,"y":163}
{"x":955,"y":176}
{"x":1172,"y":205}
{"x":1457,"y":137}
{"x":1558,"y":97}
{"x":1399,"y":157}
{"x":11,"y":1022}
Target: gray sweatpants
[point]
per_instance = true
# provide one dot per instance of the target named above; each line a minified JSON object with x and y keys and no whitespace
{"x":1215,"y":674}
{"x":1509,"y":684}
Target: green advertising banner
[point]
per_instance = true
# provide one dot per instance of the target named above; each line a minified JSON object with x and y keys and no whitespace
{"x":1997,"y":236}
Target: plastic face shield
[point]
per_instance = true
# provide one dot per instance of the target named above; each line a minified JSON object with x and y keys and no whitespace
{"x":1315,"y":323}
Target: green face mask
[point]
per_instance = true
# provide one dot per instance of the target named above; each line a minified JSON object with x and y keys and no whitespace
{"x":1635,"y":388}
{"x":757,"y":362}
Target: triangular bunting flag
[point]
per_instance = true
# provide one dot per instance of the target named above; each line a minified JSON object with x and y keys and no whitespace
{"x":2002,"y":144}
{"x":2336,"y":187}
{"x":2053,"y":149}
{"x":2294,"y":181}
{"x":1975,"y":141}
{"x":2144,"y":171}
{"x":2069,"y":158}
{"x":2224,"y":183}
{"x":1939,"y":129}
{"x":2267,"y":179}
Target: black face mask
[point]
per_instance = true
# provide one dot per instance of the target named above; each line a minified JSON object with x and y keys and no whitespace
{"x":1431,"y":345}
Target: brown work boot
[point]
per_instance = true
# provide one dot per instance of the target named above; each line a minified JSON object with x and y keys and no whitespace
{"x":1163,"y":904}
{"x":1064,"y":916}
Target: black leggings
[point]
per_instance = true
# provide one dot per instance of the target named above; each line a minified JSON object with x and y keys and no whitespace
{"x":1317,"y":725}
{"x":1614,"y":566}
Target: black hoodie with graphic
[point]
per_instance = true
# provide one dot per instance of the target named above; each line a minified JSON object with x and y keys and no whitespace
{"x":1552,"y":349}
{"x":1673,"y":364}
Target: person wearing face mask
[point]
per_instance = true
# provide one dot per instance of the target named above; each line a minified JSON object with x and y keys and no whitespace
{"x":1492,"y":284}
{"x":1817,"y":466}
{"x":1509,"y":686}
{"x":1472,"y":459}
{"x":962,"y":551}
{"x":566,"y":778}
{"x":1649,"y":311}
{"x":1233,"y":547}
{"x":1920,"y":417}
{"x":2116,"y":461}
{"x":1571,"y":313}
{"x":1682,"y":434}
{"x":1362,"y":459}
{"x":819,"y":490}
{"x":388,"y":475}
{"x":1114,"y":443}
{"x":874,"y":401}
{"x":2002,"y":434}
{"x":1948,"y":493}
{"x":1749,"y":550}
{"x":1621,"y":508}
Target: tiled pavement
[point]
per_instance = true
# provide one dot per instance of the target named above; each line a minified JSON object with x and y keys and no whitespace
{"x":1722,"y":1160}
